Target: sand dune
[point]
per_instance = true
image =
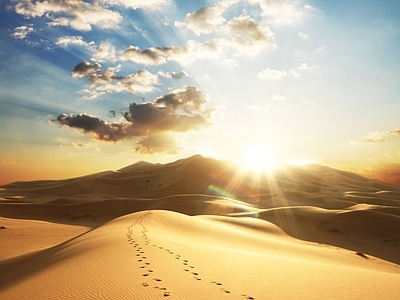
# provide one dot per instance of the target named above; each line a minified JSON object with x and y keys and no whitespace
{"x":199,"y":228}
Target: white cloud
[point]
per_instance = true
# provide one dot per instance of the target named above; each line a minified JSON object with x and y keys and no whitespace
{"x":65,"y":41}
{"x":278,"y":97}
{"x":135,"y":4}
{"x":205,"y":20}
{"x":303,"y":35}
{"x":105,"y":52}
{"x":271,"y":74}
{"x":149,"y":56}
{"x":173,"y":75}
{"x":21,"y":32}
{"x":280,"y":12}
{"x":109,"y":81}
{"x":249,"y":36}
{"x":304,"y":66}
{"x":76,"y":14}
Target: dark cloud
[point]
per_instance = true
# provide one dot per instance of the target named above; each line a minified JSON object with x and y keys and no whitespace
{"x":90,"y":124}
{"x":85,"y":69}
{"x":181,"y":110}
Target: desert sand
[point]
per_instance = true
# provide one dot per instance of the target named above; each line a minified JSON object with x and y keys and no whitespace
{"x":200,"y":228}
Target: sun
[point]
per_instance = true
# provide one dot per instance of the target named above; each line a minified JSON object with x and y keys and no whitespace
{"x":258,"y":156}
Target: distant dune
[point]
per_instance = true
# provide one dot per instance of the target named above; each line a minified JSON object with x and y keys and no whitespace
{"x":200,"y":228}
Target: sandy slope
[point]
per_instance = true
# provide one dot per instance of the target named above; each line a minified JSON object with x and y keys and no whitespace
{"x":200,"y":229}
{"x":157,"y":254}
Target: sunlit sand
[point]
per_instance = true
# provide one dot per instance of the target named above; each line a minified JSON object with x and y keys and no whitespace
{"x":200,"y":228}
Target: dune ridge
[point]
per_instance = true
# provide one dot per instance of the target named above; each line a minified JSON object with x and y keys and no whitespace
{"x":200,"y":228}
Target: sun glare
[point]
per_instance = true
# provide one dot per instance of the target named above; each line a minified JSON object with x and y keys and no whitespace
{"x":258,"y":156}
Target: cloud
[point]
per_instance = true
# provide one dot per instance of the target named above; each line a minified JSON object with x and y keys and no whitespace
{"x":271,"y":74}
{"x":248,"y":36}
{"x":206,"y":19}
{"x":109,"y":81}
{"x":181,"y":110}
{"x":304,"y":66}
{"x":85,"y":68}
{"x":76,"y":14}
{"x":303,"y":35}
{"x":66,"y":41}
{"x":21,"y":32}
{"x":384,"y":171}
{"x":135,"y":4}
{"x":191,"y":51}
{"x":87,"y":123}
{"x":161,"y":143}
{"x":173,"y":75}
{"x":377,"y":137}
{"x":394,"y":132}
{"x":105,"y":52}
{"x":278,"y":97}
{"x":153,"y":55}
{"x":280,"y":12}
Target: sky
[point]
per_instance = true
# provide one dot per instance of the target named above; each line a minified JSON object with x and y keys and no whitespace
{"x":87,"y":86}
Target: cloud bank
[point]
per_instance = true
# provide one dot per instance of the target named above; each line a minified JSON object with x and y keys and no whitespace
{"x":181,"y":110}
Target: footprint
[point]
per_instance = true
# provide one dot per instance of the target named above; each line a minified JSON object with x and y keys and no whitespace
{"x":157,"y":279}
{"x":166,"y":294}
{"x":194,"y":273}
{"x":145,"y":274}
{"x":145,"y":284}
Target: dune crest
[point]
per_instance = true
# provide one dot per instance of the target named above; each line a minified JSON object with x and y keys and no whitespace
{"x":200,"y":228}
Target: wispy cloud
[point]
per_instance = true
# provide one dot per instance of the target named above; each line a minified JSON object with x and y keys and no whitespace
{"x":281,"y":12}
{"x":21,"y":32}
{"x":377,"y":137}
{"x":137,"y":4}
{"x":271,"y":74}
{"x":303,"y":35}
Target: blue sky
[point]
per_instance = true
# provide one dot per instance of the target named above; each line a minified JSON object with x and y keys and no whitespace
{"x":93,"y":85}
